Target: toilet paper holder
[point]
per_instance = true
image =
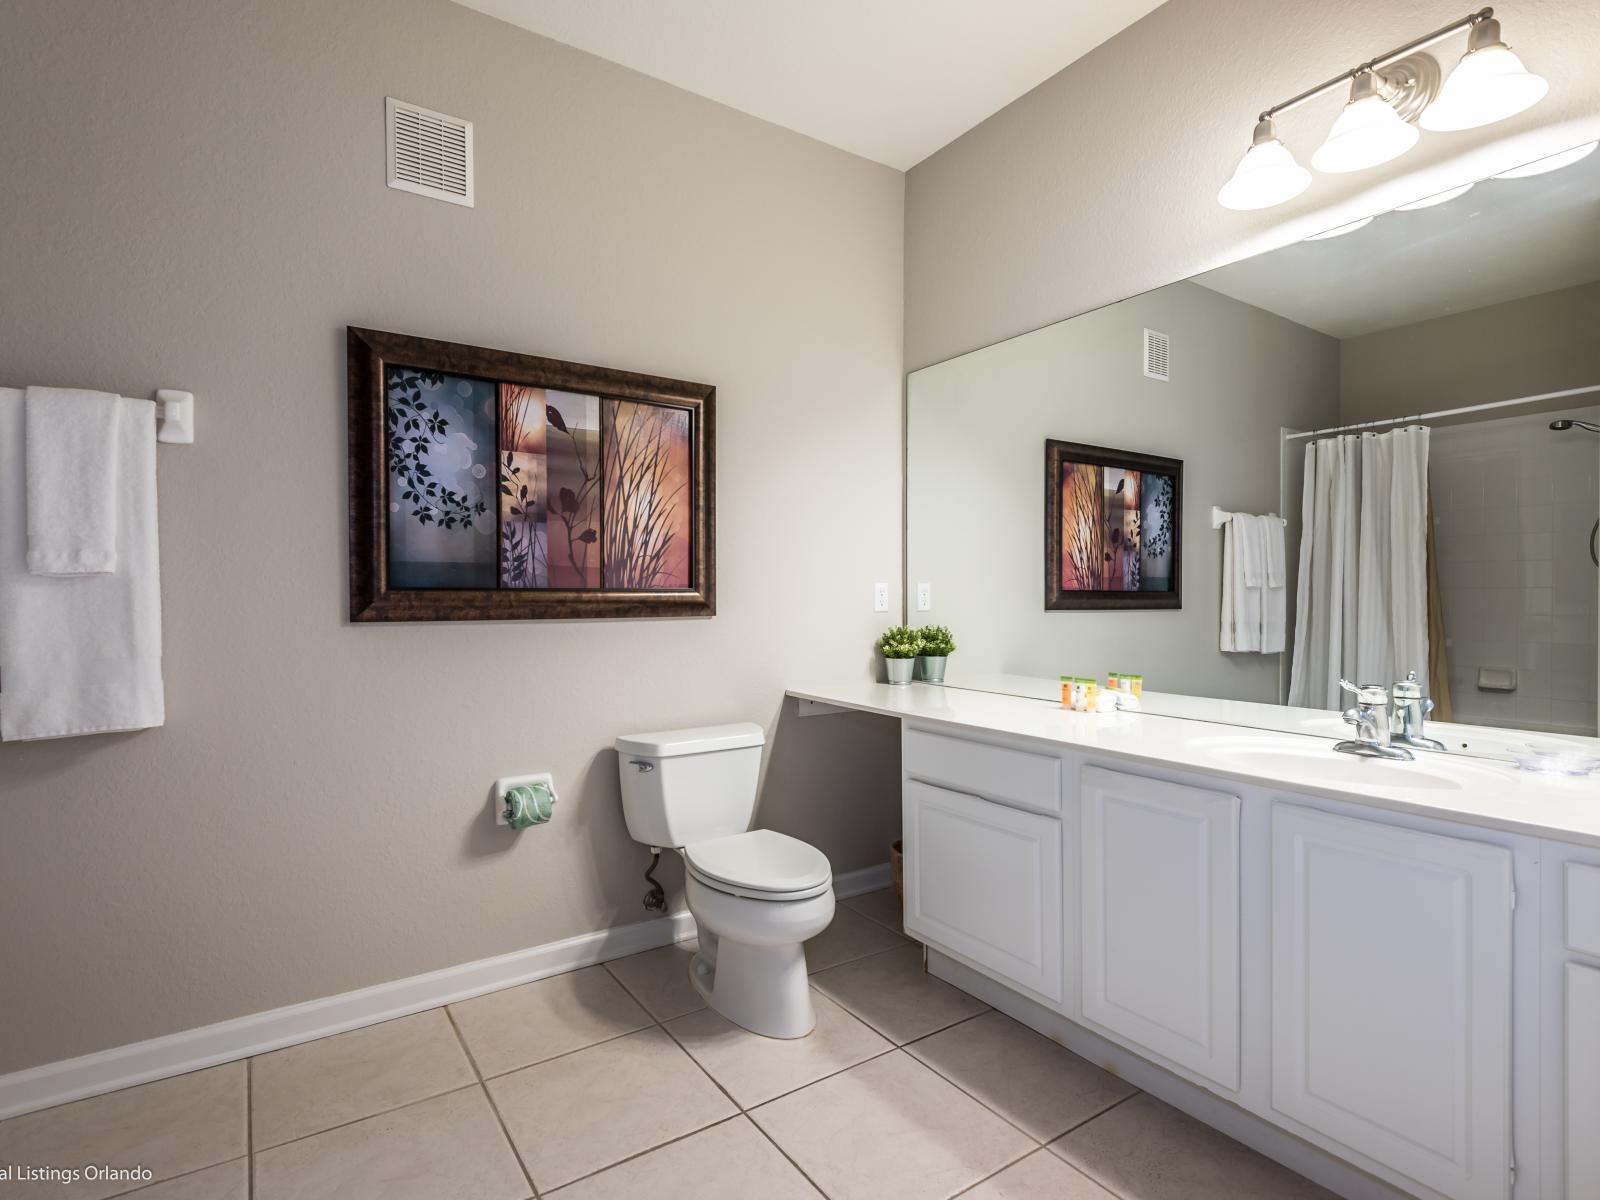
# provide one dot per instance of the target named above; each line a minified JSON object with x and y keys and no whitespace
{"x":504,"y":785}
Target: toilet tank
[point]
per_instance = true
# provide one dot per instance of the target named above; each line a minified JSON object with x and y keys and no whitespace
{"x":686,"y":785}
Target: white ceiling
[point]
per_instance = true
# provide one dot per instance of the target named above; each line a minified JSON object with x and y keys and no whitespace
{"x":890,"y":80}
{"x":1505,"y":239}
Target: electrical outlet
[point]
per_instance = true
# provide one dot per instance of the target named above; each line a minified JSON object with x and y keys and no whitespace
{"x":924,"y":597}
{"x":880,"y":597}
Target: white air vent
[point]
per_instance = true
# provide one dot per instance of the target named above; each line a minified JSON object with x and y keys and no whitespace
{"x":1156,"y":350}
{"x":429,"y":153}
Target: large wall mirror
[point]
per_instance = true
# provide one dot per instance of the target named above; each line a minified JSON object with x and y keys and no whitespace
{"x":1413,"y":401}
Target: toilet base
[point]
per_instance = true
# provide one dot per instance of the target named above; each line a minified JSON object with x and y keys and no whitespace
{"x":759,"y":988}
{"x":751,"y":967}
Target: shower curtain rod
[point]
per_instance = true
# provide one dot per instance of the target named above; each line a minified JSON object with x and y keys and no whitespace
{"x":1444,"y":412}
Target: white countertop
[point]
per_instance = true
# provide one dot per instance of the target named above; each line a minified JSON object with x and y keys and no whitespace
{"x":1476,"y":791}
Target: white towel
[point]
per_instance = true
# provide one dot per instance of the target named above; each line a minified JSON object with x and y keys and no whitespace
{"x":1243,"y":560}
{"x":81,"y":654}
{"x":1275,"y":596}
{"x":72,"y":453}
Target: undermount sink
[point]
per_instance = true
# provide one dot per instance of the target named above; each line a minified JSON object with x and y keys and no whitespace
{"x":1274,"y":756}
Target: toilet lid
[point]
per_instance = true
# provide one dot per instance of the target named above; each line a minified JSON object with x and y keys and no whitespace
{"x":761,"y":861}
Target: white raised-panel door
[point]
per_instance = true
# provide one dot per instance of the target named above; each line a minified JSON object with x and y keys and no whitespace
{"x":1161,"y":919}
{"x":1583,"y":1081}
{"x":984,"y":881}
{"x":1391,"y":996}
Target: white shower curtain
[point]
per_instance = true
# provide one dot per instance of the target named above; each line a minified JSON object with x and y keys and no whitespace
{"x":1362,"y":601}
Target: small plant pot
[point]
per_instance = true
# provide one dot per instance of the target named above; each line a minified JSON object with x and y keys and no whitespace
{"x":930,"y":667}
{"x":899,"y":669}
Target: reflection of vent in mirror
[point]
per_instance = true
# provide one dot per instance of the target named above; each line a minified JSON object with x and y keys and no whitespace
{"x":430,"y":153}
{"x":1157,"y":347}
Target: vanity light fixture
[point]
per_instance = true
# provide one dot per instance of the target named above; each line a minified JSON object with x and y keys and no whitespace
{"x":1553,"y":162}
{"x":1266,"y":175}
{"x":1489,"y":84}
{"x":1339,"y":230}
{"x":1390,"y":95}
{"x":1443,"y":197}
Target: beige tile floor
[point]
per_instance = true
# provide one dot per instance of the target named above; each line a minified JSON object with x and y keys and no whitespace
{"x":615,"y":1081}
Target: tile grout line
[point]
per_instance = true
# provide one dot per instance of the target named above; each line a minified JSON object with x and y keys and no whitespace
{"x":487,"y":1095}
{"x":743,"y":1112}
{"x":155,"y":1183}
{"x":637,"y":1154}
{"x":384,"y":1112}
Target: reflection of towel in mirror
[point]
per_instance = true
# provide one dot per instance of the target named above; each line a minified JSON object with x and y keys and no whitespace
{"x":1252,"y":585}
{"x":1274,"y":596}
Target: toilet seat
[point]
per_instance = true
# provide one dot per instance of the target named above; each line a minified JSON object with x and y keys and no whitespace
{"x":760,"y":865}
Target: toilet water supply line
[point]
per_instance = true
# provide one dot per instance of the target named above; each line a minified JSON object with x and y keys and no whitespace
{"x":655,"y":900}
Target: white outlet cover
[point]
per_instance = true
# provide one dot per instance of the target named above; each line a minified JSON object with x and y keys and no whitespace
{"x":880,"y":597}
{"x":924,"y":597}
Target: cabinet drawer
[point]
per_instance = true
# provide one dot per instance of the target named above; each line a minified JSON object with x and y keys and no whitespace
{"x":1014,"y":777}
{"x":1583,"y":908}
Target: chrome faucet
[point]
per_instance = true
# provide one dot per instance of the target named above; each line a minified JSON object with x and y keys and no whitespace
{"x":1411,"y":707}
{"x":1370,"y":716}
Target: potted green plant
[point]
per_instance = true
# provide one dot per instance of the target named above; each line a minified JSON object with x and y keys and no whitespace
{"x":900,"y":646}
{"x":937,"y":646}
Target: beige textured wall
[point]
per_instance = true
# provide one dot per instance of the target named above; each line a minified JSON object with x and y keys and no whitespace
{"x":195,"y":198}
{"x":1543,"y":343}
{"x":1101,"y":182}
{"x":976,"y":427}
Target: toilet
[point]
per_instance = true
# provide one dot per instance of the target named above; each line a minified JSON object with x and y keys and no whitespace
{"x":755,"y":894}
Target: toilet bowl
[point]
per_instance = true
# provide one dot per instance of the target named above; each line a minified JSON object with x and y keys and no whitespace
{"x":756,"y":895}
{"x":754,"y":920}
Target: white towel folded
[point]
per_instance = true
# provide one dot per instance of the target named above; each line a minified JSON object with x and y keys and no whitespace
{"x":1243,"y":571}
{"x":1274,"y":597}
{"x":81,"y":654}
{"x":72,"y":453}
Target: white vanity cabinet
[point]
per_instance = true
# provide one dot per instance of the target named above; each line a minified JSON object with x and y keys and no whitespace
{"x":1391,"y":995}
{"x":1160,"y":909}
{"x":983,"y":877}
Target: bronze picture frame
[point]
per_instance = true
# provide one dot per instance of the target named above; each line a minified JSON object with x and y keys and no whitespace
{"x":636,"y":531}
{"x":1123,"y":547}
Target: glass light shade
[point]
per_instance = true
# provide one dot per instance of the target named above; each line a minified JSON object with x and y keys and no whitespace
{"x":1266,"y":175}
{"x":1489,"y":84}
{"x":1443,"y":197}
{"x":1366,"y":133}
{"x":1553,"y":162}
{"x":1339,"y":230}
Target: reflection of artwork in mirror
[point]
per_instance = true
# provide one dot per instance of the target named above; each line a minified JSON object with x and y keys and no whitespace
{"x":1111,"y":538}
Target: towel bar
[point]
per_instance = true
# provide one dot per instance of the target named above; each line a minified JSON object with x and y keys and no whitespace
{"x":1219,"y":518}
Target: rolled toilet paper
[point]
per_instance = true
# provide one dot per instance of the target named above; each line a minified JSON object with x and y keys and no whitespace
{"x":529,"y":804}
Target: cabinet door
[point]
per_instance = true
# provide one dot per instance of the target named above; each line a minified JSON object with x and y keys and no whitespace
{"x":1161,"y":919}
{"x":984,"y":881}
{"x":1583,"y":1081}
{"x":1391,"y":996}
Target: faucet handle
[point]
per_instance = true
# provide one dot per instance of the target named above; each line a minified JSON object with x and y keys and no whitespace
{"x":1366,"y":693}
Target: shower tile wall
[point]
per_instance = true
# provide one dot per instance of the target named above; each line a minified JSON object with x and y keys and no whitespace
{"x":1513,"y":505}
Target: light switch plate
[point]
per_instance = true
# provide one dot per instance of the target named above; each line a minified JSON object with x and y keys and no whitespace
{"x":880,"y":597}
{"x":924,"y":597}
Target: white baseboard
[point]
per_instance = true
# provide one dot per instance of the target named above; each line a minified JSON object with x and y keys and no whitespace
{"x":123,"y":1066}
{"x":856,"y":883}
{"x":176,"y":1053}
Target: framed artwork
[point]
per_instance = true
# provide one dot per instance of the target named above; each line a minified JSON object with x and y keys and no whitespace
{"x":1112,"y":536}
{"x":486,"y":485}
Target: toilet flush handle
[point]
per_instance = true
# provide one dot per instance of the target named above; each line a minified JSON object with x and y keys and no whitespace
{"x":644,"y":765}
